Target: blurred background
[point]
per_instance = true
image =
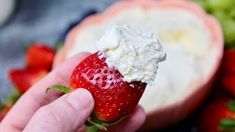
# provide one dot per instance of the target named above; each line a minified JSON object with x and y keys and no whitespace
{"x":25,"y":22}
{"x":36,"y":21}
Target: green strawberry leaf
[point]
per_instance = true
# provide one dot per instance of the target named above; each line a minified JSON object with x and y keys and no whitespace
{"x":231,"y":105}
{"x":227,"y":124}
{"x":15,"y":95}
{"x":95,"y":124}
{"x":92,"y":129}
{"x":60,"y":88}
{"x":93,"y":121}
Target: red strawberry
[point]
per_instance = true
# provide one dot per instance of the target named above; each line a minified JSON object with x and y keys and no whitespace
{"x":23,"y":79}
{"x":40,"y":56}
{"x":228,"y":63}
{"x":228,"y":71}
{"x":3,"y":112}
{"x":228,"y":83}
{"x":219,"y":116}
{"x":114,"y":98}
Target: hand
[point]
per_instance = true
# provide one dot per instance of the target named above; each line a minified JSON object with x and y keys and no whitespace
{"x":37,"y":111}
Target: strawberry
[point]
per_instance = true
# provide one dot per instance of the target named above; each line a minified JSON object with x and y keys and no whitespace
{"x":23,"y":79}
{"x":228,"y":83}
{"x":228,"y":71}
{"x":40,"y":56}
{"x":39,"y":61}
{"x":114,"y":98}
{"x":228,"y":63}
{"x":218,"y":116}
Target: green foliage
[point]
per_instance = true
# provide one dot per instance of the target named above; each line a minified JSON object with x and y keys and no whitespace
{"x":224,"y":11}
{"x":15,"y":95}
{"x":227,"y":125}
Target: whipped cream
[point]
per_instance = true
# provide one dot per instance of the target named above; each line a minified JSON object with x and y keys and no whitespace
{"x":133,"y":53}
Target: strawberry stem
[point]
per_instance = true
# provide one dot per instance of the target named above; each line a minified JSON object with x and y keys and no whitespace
{"x":60,"y":88}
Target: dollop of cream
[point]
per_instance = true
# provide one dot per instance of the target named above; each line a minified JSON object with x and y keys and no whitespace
{"x":133,"y":53}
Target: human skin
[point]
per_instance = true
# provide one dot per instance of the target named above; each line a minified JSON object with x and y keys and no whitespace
{"x":53,"y":112}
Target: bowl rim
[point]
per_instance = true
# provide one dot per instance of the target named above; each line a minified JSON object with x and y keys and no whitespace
{"x":208,"y":20}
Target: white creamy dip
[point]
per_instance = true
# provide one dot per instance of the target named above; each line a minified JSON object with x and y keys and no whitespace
{"x":184,"y":38}
{"x":133,"y":53}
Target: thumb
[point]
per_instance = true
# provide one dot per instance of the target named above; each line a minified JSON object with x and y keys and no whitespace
{"x":67,"y":113}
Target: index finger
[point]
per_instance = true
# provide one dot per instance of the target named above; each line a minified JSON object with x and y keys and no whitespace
{"x":36,"y":97}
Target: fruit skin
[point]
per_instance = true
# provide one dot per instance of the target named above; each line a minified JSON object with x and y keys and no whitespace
{"x":228,"y":62}
{"x":228,"y":71}
{"x":40,"y":56}
{"x":213,"y":114}
{"x":39,"y":59}
{"x":228,"y":83}
{"x":23,"y":79}
{"x":114,"y":98}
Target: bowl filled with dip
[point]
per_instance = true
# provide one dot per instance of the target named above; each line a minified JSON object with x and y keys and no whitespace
{"x":192,"y":40}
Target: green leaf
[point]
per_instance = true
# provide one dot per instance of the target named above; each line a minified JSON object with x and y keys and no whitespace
{"x":60,"y":88}
{"x":92,"y":129}
{"x":15,"y":95}
{"x":227,"y":124}
{"x":97,"y":124}
{"x":231,"y":105}
{"x":93,"y":121}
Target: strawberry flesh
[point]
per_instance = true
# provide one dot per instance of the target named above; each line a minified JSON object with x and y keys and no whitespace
{"x":114,"y":97}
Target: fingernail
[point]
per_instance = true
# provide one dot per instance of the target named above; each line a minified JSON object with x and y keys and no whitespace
{"x":80,"y":99}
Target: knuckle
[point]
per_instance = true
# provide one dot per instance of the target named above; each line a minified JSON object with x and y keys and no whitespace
{"x":50,"y":115}
{"x":69,"y":106}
